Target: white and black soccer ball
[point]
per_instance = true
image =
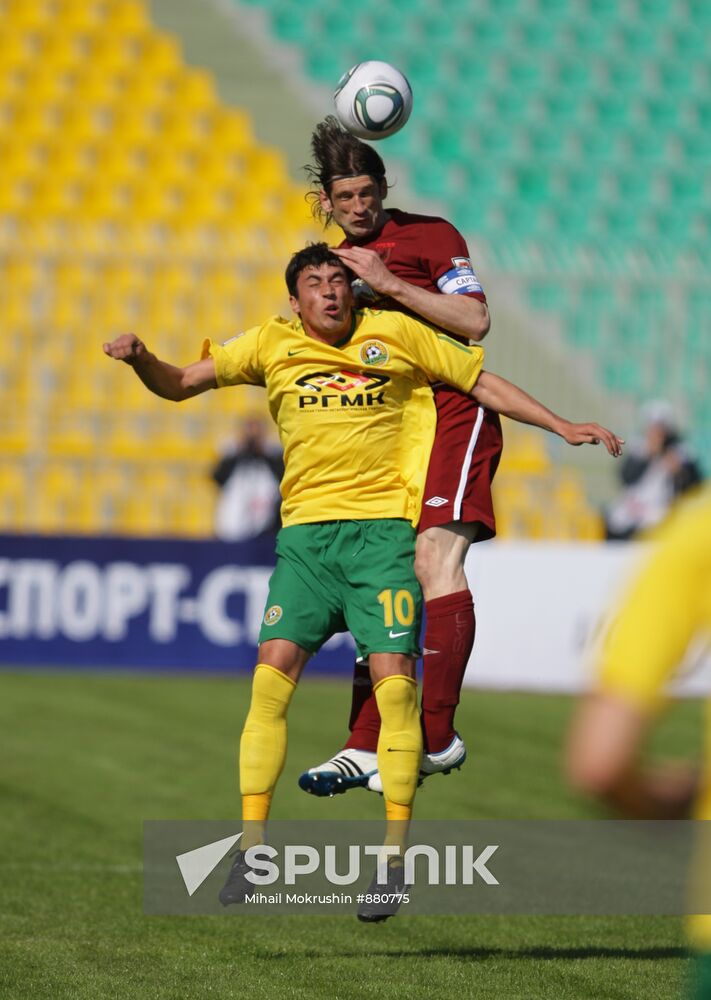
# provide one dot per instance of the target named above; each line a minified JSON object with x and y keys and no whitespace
{"x":373,"y":100}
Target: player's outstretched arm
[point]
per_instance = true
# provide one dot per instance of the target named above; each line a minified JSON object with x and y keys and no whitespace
{"x":460,"y":314}
{"x":504,"y":397}
{"x":165,"y":380}
{"x":603,"y":761}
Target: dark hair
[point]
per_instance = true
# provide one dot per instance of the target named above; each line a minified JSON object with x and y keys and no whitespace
{"x":337,"y":153}
{"x":313,"y":255}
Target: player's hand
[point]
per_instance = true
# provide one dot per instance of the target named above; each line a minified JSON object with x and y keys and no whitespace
{"x":126,"y":348}
{"x":577,"y":434}
{"x":368,"y":265}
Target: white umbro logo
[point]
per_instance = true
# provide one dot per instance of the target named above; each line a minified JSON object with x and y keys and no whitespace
{"x":435,"y":502}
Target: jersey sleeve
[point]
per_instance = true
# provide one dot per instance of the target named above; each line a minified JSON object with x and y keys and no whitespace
{"x":665,"y":607}
{"x":446,"y":257}
{"x":237,"y":361}
{"x":439,"y":356}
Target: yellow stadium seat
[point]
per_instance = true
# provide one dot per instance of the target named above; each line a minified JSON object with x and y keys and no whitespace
{"x":159,"y":53}
{"x":195,"y":90}
{"x":13,"y":496}
{"x":126,"y":15}
{"x":55,"y":498}
{"x":22,"y":15}
{"x":131,"y":198}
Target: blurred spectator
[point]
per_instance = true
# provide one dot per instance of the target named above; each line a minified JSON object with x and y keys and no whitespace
{"x":656,"y":470}
{"x":248,"y":475}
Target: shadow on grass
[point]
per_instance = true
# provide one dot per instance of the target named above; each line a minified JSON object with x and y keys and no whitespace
{"x":545,"y":953}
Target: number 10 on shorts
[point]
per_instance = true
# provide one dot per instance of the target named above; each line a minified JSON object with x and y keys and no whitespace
{"x":400,"y":608}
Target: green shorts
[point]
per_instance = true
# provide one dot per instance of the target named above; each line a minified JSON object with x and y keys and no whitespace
{"x":338,"y":576}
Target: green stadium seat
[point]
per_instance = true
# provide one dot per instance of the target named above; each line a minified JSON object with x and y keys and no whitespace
{"x":489,"y":33}
{"x":647,"y":146}
{"x":427,"y":175}
{"x":334,"y":25}
{"x":662,"y":111}
{"x":634,"y":185}
{"x":526,"y":74}
{"x":552,"y":8}
{"x":539,"y":36}
{"x":545,"y":141}
{"x":657,"y":11}
{"x":588,"y":36}
{"x":685,"y":41}
{"x":584,"y":330}
{"x":612,"y":110}
{"x":532,"y":183}
{"x":572,"y":74}
{"x":290,"y":23}
{"x":562,"y":107}
{"x":464,"y":66}
{"x":696,"y":148}
{"x":580,"y":183}
{"x":680,"y":78}
{"x":574,"y":220}
{"x":448,"y":140}
{"x":483,"y":182}
{"x":687,"y":188}
{"x":699,"y":13}
{"x":519,"y":216}
{"x":325,"y":64}
{"x":548,"y":296}
{"x":496,"y":140}
{"x":622,"y":374}
{"x":596,"y":146}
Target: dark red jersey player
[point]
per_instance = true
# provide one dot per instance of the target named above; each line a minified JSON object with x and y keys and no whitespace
{"x":420,"y":264}
{"x":429,"y":252}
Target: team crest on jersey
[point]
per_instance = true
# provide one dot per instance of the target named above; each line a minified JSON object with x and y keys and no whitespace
{"x":273,"y":615}
{"x":374,"y":353}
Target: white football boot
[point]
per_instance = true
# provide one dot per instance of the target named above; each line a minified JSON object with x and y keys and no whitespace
{"x":442,"y":762}
{"x":347,"y":769}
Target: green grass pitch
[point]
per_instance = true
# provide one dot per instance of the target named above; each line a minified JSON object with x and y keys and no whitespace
{"x":86,"y":758}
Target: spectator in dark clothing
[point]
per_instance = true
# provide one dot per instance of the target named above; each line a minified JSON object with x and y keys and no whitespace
{"x":248,"y":475}
{"x":656,"y":470}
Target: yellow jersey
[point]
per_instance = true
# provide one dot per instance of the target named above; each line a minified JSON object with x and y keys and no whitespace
{"x":667,"y":606}
{"x":356,"y":419}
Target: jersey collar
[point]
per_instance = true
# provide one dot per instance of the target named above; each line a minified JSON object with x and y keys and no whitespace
{"x":344,"y":340}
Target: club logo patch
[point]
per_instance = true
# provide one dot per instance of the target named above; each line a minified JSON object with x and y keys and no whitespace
{"x":343,"y":391}
{"x":374,"y":353}
{"x":273,"y":615}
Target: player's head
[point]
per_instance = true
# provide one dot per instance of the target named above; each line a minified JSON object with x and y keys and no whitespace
{"x":349,"y":177}
{"x":320,"y":290}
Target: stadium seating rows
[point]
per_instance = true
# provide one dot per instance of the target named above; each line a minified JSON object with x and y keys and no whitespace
{"x":103,"y":229}
{"x":103,"y":130}
{"x":573,"y":139}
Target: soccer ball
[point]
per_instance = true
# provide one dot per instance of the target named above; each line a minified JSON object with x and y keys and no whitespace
{"x":373,"y":100}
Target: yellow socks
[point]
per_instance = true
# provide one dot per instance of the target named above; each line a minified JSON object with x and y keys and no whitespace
{"x":262,"y":748}
{"x":399,"y":746}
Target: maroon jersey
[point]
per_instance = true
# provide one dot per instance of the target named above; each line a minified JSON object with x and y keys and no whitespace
{"x":429,"y":252}
{"x":423,"y":250}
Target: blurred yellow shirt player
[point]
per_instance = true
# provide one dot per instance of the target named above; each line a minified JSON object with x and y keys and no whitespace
{"x":666,"y":607}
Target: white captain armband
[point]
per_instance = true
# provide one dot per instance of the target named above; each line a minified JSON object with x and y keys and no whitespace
{"x":460,"y":279}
